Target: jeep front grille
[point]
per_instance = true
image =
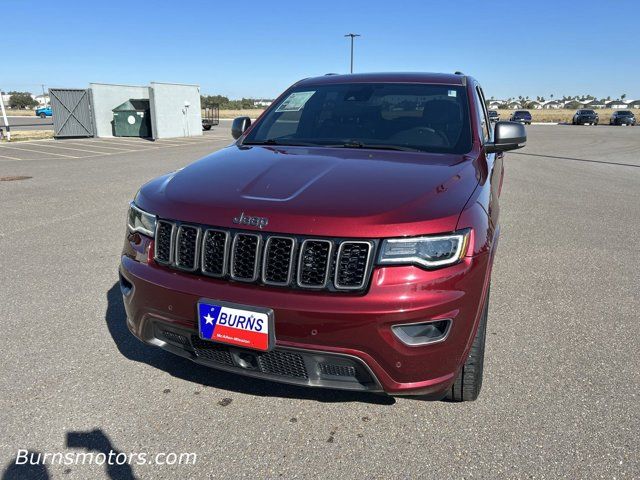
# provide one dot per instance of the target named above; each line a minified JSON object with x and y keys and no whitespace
{"x":269,"y":259}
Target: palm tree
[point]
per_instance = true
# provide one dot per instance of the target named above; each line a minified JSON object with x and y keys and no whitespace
{"x":623,"y":96}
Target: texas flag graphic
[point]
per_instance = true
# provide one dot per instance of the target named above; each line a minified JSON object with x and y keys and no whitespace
{"x":242,"y":328}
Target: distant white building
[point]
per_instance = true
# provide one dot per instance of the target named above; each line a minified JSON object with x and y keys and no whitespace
{"x":633,"y":104}
{"x":552,"y":104}
{"x":41,"y":99}
{"x":494,"y":104}
{"x":262,"y":103}
{"x":594,"y":104}
{"x":616,"y":104}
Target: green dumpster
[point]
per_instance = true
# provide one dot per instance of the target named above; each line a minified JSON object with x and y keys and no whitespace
{"x":132,"y":119}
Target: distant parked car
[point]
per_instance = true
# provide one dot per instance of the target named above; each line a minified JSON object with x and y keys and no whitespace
{"x":622,"y":117}
{"x":44,"y":112}
{"x":521,"y":116}
{"x":494,"y":116}
{"x":584,"y":117}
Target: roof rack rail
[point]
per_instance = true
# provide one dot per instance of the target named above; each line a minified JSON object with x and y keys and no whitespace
{"x":327,"y":74}
{"x":458,"y":73}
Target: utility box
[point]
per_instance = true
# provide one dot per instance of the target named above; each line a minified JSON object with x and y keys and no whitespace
{"x":132,"y":119}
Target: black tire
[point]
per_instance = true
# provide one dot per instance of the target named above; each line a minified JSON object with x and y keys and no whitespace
{"x":207,"y":127}
{"x":468,"y":383}
{"x":43,"y":115}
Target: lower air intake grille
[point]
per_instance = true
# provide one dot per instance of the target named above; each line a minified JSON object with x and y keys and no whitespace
{"x":211,"y":351}
{"x":276,"y":362}
{"x":175,"y":337}
{"x":286,"y":364}
{"x":351,"y":266}
{"x":337,"y":370}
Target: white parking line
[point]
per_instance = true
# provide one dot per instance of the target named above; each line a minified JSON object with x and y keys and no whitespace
{"x":10,"y":158}
{"x":125,"y":141}
{"x":132,"y":143}
{"x":39,"y":151}
{"x":99,"y":146}
{"x":74,"y":148}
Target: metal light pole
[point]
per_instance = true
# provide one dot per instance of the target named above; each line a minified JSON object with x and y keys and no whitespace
{"x":4,"y":117}
{"x":352,"y":35}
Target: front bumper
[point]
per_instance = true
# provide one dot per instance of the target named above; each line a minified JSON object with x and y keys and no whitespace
{"x":340,"y":340}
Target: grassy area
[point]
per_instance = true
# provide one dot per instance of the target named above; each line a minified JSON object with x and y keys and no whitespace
{"x":563,"y":115}
{"x":252,"y":113}
{"x":24,"y":135}
{"x":20,"y":113}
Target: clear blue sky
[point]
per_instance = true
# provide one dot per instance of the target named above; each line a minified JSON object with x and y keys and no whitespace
{"x":258,"y":48}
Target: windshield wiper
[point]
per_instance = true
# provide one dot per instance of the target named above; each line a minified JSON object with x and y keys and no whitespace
{"x":374,"y":146}
{"x":272,"y":141}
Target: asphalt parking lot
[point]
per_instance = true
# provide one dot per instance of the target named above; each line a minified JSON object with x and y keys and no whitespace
{"x":28,"y":123}
{"x":562,"y":373}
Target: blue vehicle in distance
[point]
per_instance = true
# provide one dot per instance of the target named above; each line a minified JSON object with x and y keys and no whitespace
{"x":44,"y":112}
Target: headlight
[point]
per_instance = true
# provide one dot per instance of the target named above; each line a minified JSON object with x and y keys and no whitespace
{"x":428,"y":252}
{"x":141,"y":221}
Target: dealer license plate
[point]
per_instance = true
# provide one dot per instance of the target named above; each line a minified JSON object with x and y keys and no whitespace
{"x":234,"y":324}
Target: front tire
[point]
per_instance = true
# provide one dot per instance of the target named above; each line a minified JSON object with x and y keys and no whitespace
{"x":43,"y":115}
{"x":468,"y":383}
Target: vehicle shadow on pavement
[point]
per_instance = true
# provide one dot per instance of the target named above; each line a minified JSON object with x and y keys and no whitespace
{"x":96,"y":441}
{"x":16,"y":470}
{"x":179,"y":367}
{"x":32,"y":465}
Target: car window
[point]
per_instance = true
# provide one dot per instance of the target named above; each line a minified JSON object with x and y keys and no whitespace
{"x":433,"y":118}
{"x":482,"y":116}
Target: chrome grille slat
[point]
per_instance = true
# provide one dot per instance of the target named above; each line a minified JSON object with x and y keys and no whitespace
{"x":187,"y":247}
{"x":337,"y":265}
{"x":163,"y":245}
{"x":314,"y":263}
{"x":245,"y":256}
{"x":277,"y":263}
{"x":352,"y":264}
{"x":215,"y":252}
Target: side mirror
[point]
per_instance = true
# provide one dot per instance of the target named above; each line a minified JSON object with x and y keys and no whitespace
{"x":239,"y":126}
{"x":507,"y":136}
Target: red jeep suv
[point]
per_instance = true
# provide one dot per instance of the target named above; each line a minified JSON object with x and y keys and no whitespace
{"x":344,"y":240}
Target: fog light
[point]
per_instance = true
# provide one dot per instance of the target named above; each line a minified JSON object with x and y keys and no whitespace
{"x":423,"y":333}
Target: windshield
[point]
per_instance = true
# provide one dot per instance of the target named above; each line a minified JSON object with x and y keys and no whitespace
{"x":395,"y":116}
{"x":586,"y":112}
{"x":521,"y":113}
{"x":625,"y":112}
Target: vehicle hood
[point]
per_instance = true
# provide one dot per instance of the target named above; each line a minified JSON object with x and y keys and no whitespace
{"x":319,"y":191}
